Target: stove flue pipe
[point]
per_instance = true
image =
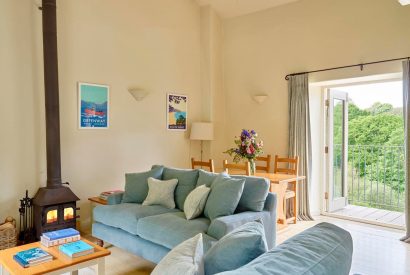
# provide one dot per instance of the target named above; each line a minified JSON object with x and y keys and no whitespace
{"x":51,"y":93}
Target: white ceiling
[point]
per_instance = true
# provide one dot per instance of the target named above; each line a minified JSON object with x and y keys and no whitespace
{"x":232,"y":8}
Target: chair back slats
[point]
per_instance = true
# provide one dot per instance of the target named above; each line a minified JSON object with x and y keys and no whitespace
{"x":209,"y":164}
{"x":290,"y":165}
{"x":246,"y":167}
{"x":266,"y":159}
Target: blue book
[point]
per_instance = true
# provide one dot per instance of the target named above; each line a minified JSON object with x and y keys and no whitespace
{"x":76,"y":249}
{"x":33,"y":255}
{"x":59,"y":234}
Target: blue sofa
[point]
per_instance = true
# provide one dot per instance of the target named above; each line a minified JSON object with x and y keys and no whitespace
{"x":152,"y":231}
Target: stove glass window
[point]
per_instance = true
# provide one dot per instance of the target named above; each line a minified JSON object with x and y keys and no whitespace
{"x":52,"y":216}
{"x":68,"y":213}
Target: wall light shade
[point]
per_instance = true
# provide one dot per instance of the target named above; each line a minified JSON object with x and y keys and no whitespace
{"x":138,"y":94}
{"x":260,"y":98}
{"x":202,"y":131}
{"x":404,"y":2}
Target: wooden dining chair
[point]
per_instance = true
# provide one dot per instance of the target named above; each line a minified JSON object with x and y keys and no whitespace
{"x":246,"y":167}
{"x":291,"y":168}
{"x":266,"y":159}
{"x":209,"y":164}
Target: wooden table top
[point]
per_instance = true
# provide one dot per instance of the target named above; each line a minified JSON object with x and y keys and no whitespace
{"x":98,"y":200}
{"x":60,"y":259}
{"x":280,"y":178}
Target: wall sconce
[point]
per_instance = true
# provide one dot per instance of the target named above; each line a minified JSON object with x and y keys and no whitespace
{"x":260,"y":98}
{"x":138,"y":94}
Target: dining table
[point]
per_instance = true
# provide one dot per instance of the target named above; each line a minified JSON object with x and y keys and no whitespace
{"x":279,"y":185}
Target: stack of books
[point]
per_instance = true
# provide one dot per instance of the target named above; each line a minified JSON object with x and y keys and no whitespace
{"x":76,"y":249}
{"x":58,"y":237}
{"x":32,"y":257}
{"x":104,"y":195}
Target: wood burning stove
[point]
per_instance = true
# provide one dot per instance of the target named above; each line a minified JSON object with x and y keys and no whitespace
{"x":55,"y":204}
{"x":54,"y":217}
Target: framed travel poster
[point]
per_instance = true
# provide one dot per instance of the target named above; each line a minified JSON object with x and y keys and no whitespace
{"x":93,"y":106}
{"x":177,"y":109}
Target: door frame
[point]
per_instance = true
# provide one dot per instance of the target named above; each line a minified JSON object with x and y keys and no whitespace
{"x":322,"y":87}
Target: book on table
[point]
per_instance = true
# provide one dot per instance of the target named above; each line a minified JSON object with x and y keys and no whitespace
{"x":104,"y":195}
{"x":59,"y":234}
{"x":50,"y":243}
{"x":31,"y":257}
{"x":76,"y":249}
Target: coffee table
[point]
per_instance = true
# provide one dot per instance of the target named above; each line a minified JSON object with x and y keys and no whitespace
{"x":59,"y":265}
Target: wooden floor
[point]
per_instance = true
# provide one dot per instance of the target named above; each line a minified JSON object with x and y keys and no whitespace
{"x":376,"y":250}
{"x":377,"y":216}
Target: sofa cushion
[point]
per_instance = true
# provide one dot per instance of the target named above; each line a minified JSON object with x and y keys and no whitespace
{"x":161,"y":192}
{"x":170,"y":229}
{"x":184,"y":259}
{"x":127,"y":215}
{"x":224,"y":197}
{"x":195,"y":202}
{"x":320,"y":250}
{"x":206,"y":178}
{"x":236,"y":249}
{"x":187,"y":179}
{"x":136,"y":185}
{"x":254,"y":193}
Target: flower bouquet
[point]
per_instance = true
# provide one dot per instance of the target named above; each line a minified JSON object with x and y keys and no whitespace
{"x":248,"y":148}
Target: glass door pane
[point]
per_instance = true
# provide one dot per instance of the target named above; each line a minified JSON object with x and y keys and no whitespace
{"x":338,"y":129}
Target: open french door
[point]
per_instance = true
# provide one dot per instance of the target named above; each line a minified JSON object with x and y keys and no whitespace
{"x":337,"y":110}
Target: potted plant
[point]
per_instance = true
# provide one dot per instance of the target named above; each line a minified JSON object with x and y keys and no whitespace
{"x":247,"y":148}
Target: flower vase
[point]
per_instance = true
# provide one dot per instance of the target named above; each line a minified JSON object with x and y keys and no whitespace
{"x":252,"y":166}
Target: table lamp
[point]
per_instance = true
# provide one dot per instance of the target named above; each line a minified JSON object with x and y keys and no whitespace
{"x":202,"y":131}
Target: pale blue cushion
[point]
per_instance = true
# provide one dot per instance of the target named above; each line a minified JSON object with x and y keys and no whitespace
{"x":170,"y":229}
{"x":187,"y":179}
{"x":236,"y":249}
{"x":136,"y":185}
{"x":127,"y":215}
{"x":224,"y":197}
{"x":207,"y":178}
{"x":254,"y":193}
{"x":321,"y":250}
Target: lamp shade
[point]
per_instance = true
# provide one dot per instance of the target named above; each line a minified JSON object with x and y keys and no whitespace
{"x":202,"y":131}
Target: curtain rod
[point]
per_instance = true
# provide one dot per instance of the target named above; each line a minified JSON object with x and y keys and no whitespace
{"x":361,"y":65}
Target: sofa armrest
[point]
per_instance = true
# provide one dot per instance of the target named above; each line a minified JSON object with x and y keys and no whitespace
{"x":115,"y":198}
{"x":221,"y":226}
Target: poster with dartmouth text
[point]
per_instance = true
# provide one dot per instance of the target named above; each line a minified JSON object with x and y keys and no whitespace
{"x":93,"y":100}
{"x":177,"y":108}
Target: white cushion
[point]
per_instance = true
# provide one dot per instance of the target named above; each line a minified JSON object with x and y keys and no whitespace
{"x":195,"y":202}
{"x":184,"y":259}
{"x":161,"y":192}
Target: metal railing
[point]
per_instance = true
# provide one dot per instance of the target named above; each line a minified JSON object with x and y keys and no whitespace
{"x":375,"y":176}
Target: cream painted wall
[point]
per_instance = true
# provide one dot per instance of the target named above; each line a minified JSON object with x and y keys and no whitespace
{"x":20,"y":113}
{"x":213,"y":98}
{"x":154,"y":45}
{"x":261,"y":48}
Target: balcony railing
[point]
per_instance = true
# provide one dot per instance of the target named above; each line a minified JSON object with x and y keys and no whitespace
{"x":375,"y":175}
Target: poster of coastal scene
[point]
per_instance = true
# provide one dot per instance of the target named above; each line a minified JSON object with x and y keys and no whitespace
{"x":93,"y":100}
{"x":177,"y":112}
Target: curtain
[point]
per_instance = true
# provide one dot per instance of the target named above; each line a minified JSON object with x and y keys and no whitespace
{"x":299,"y":137}
{"x":406,"y":114}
